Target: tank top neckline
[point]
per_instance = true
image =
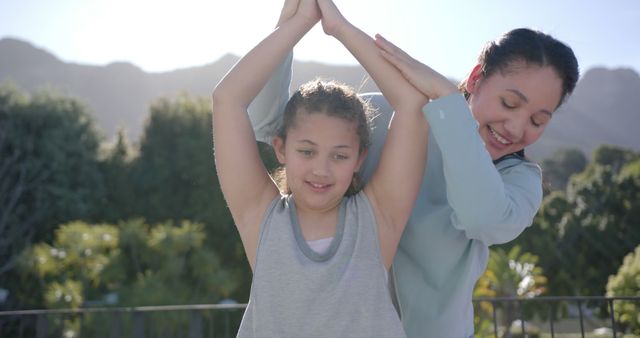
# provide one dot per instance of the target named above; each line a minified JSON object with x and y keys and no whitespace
{"x":302,"y":243}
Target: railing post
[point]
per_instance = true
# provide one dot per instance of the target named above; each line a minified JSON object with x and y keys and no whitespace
{"x":195,"y":324}
{"x":581,"y":318}
{"x":495,"y":318}
{"x":226,"y":323}
{"x":116,"y":324}
{"x":138,"y":325}
{"x":520,"y":305}
{"x":211,"y":326}
{"x":613,"y":317}
{"x":552,"y":316}
{"x":42,"y":326}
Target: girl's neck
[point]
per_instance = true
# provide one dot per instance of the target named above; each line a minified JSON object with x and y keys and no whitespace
{"x":317,"y":224}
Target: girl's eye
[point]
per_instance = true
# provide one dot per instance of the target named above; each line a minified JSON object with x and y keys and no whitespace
{"x":341,"y":157}
{"x":305,"y":152}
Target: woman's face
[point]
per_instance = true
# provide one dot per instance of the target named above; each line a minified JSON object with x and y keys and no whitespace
{"x":513,"y":107}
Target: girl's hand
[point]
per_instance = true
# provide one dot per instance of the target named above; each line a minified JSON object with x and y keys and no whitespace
{"x":426,"y":80}
{"x":332,"y":19}
{"x":309,"y":10}
{"x":289,"y":8}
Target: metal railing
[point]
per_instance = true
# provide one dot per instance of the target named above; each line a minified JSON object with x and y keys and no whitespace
{"x":221,"y":320}
{"x":188,"y":321}
{"x":553,"y":310}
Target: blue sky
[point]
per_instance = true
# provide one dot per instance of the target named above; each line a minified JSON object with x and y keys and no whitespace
{"x":164,"y":35}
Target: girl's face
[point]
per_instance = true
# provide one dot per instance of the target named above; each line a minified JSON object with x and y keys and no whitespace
{"x":513,"y":108}
{"x":320,"y":156}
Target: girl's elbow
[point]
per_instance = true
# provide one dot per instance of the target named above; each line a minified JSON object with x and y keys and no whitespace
{"x":217,"y":95}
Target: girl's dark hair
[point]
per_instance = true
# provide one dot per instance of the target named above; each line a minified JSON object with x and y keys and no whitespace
{"x":333,"y":99}
{"x":533,"y":47}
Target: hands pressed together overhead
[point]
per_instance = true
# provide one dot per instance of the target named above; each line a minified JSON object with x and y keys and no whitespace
{"x":425,"y":79}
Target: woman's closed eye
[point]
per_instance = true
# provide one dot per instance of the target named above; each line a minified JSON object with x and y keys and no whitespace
{"x":508,"y":104}
{"x":540,"y":119}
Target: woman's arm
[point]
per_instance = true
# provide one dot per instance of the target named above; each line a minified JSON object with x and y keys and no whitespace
{"x":265,"y":111}
{"x":244,"y":181}
{"x":394,"y":186}
{"x":491,"y":203}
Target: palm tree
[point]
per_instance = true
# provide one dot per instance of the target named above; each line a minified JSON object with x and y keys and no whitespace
{"x":510,"y":274}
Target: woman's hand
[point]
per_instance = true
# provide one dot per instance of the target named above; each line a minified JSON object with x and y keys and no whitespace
{"x":426,"y":80}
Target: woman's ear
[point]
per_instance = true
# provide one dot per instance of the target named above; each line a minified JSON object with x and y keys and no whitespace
{"x":474,"y":78}
{"x":278,"y":147}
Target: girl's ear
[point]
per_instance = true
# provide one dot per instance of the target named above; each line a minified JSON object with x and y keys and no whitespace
{"x":278,"y":147}
{"x":361,"y":158}
{"x":474,"y":78}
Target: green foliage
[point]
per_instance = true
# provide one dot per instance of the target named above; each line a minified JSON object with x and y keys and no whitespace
{"x":626,"y":282}
{"x":67,"y":294}
{"x":70,"y":268}
{"x":141,"y":264}
{"x":48,"y":175}
{"x":163,"y":264}
{"x":175,"y":172}
{"x":558,"y":169}
{"x":582,"y":234}
{"x":169,"y":177}
{"x":613,"y":156}
{"x":510,"y":273}
{"x":166,"y":264}
{"x":119,"y":199}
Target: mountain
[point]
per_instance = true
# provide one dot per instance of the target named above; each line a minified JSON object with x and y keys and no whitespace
{"x":604,"y":109}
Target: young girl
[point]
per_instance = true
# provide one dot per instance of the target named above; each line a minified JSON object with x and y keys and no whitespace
{"x":300,"y":287}
{"x":477,"y":191}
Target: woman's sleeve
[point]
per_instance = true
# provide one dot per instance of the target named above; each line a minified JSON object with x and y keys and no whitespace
{"x":491,"y":203}
{"x":265,"y":112}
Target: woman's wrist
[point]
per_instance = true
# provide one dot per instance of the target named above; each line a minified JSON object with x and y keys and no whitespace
{"x":446,"y":89}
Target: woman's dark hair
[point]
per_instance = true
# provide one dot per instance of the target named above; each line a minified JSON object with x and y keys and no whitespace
{"x":532,"y":47}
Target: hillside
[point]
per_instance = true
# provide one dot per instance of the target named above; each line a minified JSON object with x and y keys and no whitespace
{"x":603,"y":109}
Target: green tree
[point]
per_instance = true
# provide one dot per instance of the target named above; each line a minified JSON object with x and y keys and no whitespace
{"x":166,"y":264}
{"x":613,"y":156}
{"x":562,"y":164}
{"x":49,"y":174}
{"x":176,"y":174}
{"x":582,"y":234}
{"x":626,"y":282}
{"x":119,"y":198}
{"x":139,"y":264}
{"x":69,"y":269}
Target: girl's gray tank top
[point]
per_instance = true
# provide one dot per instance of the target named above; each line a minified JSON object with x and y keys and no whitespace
{"x":297,"y":292}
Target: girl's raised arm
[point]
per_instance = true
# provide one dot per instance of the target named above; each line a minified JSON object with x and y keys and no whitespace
{"x":244,"y":181}
{"x":396,"y":182}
